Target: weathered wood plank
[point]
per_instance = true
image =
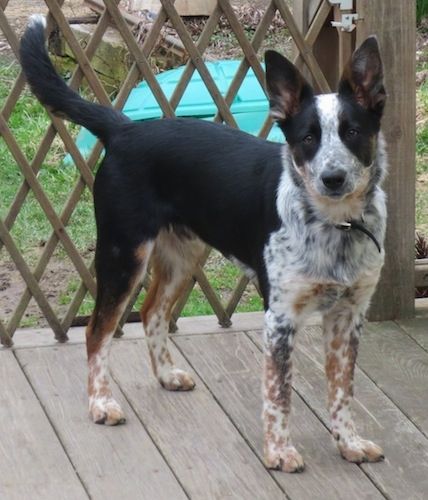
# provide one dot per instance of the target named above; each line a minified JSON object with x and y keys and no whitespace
{"x":403,"y":474}
{"x":399,"y":367}
{"x":33,"y":463}
{"x":421,"y":308}
{"x":113,"y":462}
{"x":207,"y":453}
{"x":231,"y":366}
{"x":417,"y":329}
{"x":38,"y":337}
{"x":394,"y":297}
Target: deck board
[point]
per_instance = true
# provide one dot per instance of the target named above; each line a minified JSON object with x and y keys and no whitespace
{"x":403,"y":474}
{"x":399,"y":367}
{"x":32,"y":461}
{"x":207,"y":453}
{"x":417,"y":329}
{"x":113,"y":462}
{"x":231,"y":366}
{"x":207,"y":443}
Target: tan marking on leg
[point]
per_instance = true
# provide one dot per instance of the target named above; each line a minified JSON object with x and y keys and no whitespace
{"x":342,"y":331}
{"x":302,"y":300}
{"x":173,"y":260}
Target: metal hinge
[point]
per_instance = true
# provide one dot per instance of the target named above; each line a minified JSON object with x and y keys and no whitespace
{"x":347,"y":20}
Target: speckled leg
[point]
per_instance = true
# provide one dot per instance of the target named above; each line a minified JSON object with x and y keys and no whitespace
{"x":279,"y":336}
{"x":342,"y":330}
{"x":173,"y":260}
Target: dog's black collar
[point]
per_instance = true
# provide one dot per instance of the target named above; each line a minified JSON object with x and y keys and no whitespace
{"x":353,"y":224}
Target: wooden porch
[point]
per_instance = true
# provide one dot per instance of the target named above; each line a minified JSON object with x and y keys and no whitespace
{"x":207,"y":443}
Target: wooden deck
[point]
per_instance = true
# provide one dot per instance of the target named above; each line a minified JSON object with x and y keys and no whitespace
{"x":207,"y":443}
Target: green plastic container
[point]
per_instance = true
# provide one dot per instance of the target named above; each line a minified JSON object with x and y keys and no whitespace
{"x":249,"y":108}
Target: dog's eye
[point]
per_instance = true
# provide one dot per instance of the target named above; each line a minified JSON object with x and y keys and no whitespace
{"x":352,"y":132}
{"x":309,"y":139}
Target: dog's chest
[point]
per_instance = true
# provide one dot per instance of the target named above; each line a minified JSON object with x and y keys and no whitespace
{"x":319,"y":265}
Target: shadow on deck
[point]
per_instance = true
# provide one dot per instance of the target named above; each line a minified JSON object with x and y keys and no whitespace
{"x":207,"y":443}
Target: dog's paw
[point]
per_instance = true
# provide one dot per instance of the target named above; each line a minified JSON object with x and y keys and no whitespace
{"x":360,"y":450}
{"x":106,"y":411}
{"x":287,"y":460}
{"x":176,"y":380}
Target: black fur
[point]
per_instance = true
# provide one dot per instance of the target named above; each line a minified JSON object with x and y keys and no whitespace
{"x":219,"y":182}
{"x":54,"y":93}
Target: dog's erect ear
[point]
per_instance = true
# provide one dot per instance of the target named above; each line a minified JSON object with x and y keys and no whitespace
{"x":363,"y":76}
{"x":285,"y":85}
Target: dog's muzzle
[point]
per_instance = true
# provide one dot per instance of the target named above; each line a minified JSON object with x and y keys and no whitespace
{"x":334,"y":183}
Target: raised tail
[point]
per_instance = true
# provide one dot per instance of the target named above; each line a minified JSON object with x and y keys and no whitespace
{"x":53,"y":92}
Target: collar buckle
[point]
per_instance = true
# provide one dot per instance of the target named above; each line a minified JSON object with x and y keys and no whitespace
{"x":353,"y":224}
{"x":345,"y":226}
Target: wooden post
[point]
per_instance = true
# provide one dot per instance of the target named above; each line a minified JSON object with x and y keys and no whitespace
{"x":394,"y":23}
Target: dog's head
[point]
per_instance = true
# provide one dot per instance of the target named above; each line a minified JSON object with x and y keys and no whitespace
{"x":332,"y":137}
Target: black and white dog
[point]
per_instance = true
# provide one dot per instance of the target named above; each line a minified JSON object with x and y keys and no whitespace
{"x":306,"y":218}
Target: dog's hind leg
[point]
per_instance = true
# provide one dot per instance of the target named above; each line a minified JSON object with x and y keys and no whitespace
{"x":174,"y":258}
{"x":119,"y":269}
{"x":342,"y":329}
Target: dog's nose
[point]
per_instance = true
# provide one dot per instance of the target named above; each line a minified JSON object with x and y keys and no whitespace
{"x":334,"y":179}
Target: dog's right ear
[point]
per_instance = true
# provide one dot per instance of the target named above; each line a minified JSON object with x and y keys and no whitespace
{"x":363,"y":77}
{"x":285,"y":85}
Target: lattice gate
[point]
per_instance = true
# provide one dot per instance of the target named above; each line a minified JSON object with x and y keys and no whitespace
{"x":31,"y":169}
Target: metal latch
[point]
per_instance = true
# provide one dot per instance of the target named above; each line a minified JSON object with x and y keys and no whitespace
{"x":347,"y":20}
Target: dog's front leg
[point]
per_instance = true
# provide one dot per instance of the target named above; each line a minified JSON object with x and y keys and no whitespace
{"x":342,"y":330}
{"x":278,"y":346}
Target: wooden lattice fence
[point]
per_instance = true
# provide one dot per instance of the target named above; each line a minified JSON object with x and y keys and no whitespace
{"x":139,"y":70}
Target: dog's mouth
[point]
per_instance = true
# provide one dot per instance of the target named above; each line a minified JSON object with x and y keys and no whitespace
{"x":336,"y":195}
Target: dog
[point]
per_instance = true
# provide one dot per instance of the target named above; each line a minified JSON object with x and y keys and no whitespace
{"x":307,"y":218}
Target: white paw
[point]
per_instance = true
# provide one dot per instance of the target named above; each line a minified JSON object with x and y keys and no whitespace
{"x":176,"y":380}
{"x":358,"y":450}
{"x":287,"y":459}
{"x":106,"y":411}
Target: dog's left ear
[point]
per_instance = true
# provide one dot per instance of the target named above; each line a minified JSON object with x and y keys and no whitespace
{"x":285,"y":85}
{"x":363,"y":76}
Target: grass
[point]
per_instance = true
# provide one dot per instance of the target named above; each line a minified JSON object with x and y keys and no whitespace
{"x":421,"y":10}
{"x":223,"y":277}
{"x":28,"y":124}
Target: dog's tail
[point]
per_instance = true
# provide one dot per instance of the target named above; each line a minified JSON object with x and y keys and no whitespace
{"x":53,"y":92}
